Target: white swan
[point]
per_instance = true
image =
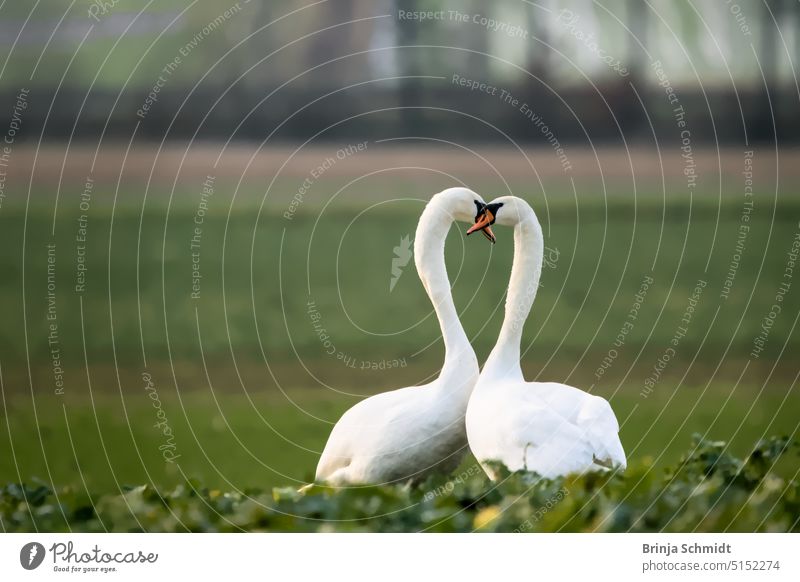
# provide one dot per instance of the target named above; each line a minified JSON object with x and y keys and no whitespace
{"x":552,"y":429}
{"x":408,"y":433}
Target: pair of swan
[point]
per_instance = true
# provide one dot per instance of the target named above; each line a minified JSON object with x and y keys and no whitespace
{"x":406,"y":434}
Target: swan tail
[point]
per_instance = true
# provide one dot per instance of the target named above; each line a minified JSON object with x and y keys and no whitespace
{"x":331,"y":461}
{"x":602,"y":430}
{"x":334,"y":465}
{"x":610,"y":453}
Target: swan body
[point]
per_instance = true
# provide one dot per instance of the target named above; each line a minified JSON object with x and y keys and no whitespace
{"x":546,"y":427}
{"x":408,"y":433}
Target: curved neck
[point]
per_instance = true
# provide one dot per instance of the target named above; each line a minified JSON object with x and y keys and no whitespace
{"x":429,"y":258}
{"x":526,"y":271}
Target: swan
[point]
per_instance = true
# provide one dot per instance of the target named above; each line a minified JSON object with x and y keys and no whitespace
{"x":405,"y":434}
{"x":546,"y":427}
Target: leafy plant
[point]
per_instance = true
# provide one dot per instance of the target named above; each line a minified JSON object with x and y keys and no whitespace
{"x":708,"y":490}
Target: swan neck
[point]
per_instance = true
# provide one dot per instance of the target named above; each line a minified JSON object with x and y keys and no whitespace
{"x":523,"y":284}
{"x":429,"y":258}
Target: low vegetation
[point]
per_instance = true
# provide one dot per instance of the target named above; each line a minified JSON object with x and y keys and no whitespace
{"x":707,"y":490}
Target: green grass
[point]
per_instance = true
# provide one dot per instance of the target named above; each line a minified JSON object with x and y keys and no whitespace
{"x":228,"y":440}
{"x":342,"y":260}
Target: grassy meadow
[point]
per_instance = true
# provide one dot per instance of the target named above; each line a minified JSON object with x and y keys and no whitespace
{"x":238,"y":385}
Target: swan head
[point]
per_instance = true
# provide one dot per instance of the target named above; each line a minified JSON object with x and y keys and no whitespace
{"x":464,"y":205}
{"x":505,"y":210}
{"x":485,"y":218}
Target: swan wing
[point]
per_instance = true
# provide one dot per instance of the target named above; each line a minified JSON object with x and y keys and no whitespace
{"x":598,"y":421}
{"x":353,"y":431}
{"x":547,"y":442}
{"x":549,"y":428}
{"x":591,"y":414}
{"x":369,"y":438}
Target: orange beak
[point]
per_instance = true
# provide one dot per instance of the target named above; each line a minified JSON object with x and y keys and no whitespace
{"x":484,"y":225}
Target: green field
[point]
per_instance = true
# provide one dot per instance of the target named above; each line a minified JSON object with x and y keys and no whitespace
{"x":229,"y":440}
{"x":247,"y":387}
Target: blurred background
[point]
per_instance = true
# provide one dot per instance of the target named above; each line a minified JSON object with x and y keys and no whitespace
{"x":207,"y":212}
